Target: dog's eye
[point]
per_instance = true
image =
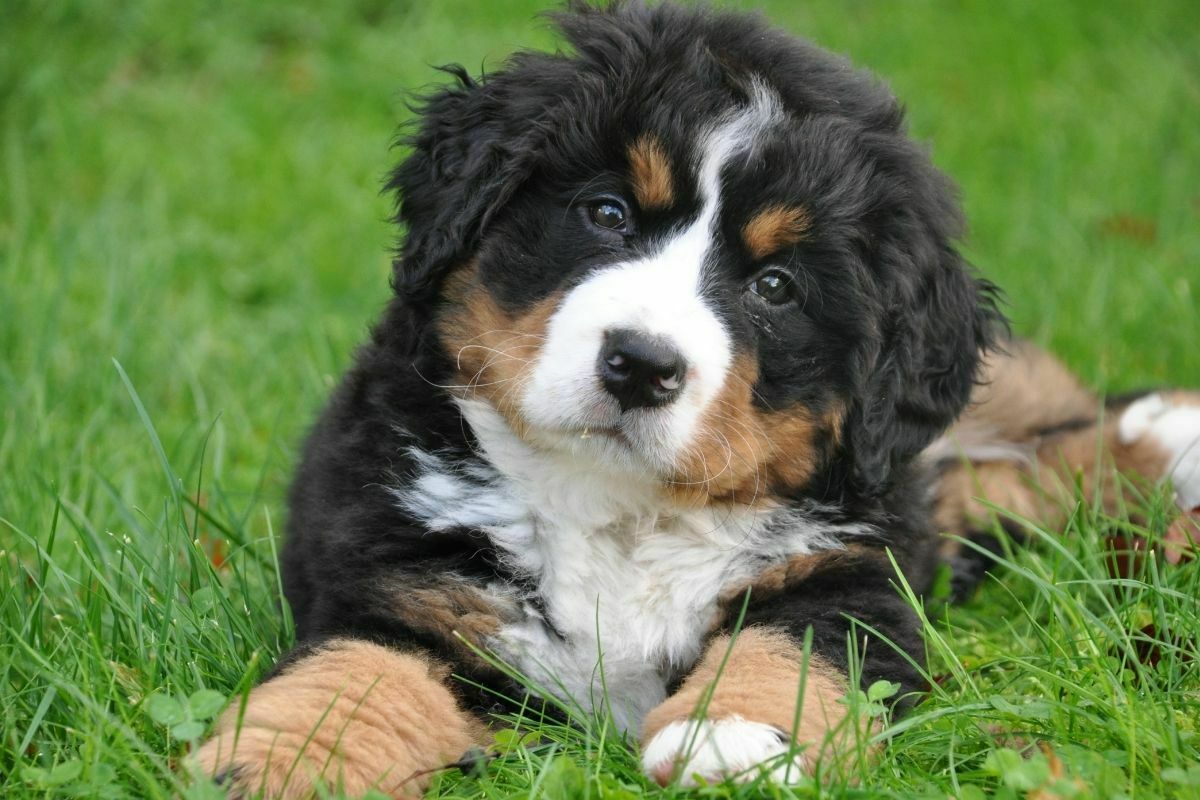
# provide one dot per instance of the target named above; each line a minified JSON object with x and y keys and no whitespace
{"x":774,"y":286}
{"x":610,"y":215}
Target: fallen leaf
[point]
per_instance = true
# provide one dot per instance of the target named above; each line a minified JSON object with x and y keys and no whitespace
{"x":1129,"y":226}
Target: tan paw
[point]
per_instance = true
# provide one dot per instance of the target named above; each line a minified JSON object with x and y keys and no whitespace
{"x":281,"y":774}
{"x":351,"y":716}
{"x":276,"y":764}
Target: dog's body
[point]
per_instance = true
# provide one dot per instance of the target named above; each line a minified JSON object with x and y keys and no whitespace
{"x":678,"y":323}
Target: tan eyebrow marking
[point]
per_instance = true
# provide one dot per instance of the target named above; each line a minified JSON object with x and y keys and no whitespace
{"x":650,"y":173}
{"x":775,"y":227}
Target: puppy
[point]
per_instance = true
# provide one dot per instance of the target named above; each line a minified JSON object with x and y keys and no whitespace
{"x":678,"y":331}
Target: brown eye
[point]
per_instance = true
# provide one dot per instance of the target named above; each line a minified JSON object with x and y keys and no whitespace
{"x":774,"y":286}
{"x":608,"y":214}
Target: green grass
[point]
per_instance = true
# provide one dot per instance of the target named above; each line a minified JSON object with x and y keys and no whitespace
{"x":192,"y":241}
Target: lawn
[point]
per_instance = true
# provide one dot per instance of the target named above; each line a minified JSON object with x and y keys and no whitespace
{"x":192,"y":240}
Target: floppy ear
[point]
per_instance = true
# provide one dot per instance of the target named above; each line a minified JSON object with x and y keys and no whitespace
{"x":938,"y":319}
{"x":474,"y":145}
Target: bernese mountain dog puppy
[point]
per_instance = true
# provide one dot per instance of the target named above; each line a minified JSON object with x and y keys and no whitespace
{"x":678,"y":331}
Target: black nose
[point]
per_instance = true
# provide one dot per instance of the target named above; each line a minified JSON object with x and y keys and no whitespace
{"x":641,"y":371}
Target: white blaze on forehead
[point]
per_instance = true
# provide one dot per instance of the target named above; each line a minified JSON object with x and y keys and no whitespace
{"x":661,"y":295}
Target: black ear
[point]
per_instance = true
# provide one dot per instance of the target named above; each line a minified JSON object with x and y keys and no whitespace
{"x":474,"y":144}
{"x":937,"y":320}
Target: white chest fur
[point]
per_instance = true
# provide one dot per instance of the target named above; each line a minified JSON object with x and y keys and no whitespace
{"x":632,"y":595}
{"x":626,"y":585}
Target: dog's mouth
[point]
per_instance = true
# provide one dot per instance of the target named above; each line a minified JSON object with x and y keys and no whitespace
{"x":623,"y":442}
{"x":613,"y":434}
{"x":587,"y":433}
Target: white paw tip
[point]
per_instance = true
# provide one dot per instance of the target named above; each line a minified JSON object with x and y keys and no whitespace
{"x":1175,"y":427}
{"x":720,"y":749}
{"x":1138,"y":417}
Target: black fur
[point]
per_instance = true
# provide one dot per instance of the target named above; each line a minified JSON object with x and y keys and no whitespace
{"x":891,"y":325}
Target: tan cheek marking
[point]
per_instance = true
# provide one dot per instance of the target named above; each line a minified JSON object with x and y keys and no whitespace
{"x":494,"y":352}
{"x":774,"y":228}
{"x":760,"y":683}
{"x":742,"y":453}
{"x":650,"y":174}
{"x":352,"y":715}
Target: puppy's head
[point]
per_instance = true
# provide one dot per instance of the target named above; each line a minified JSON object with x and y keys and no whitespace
{"x":697,"y":248}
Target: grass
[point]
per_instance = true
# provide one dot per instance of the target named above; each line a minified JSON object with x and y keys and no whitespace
{"x":192,"y":241}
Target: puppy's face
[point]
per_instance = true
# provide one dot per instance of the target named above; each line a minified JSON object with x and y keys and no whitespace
{"x":663,"y":305}
{"x":691,"y":274}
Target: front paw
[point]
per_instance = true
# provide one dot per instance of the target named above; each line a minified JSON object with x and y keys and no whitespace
{"x":732,"y":748}
{"x":271,"y":764}
{"x":348,"y":716}
{"x":751,"y":720}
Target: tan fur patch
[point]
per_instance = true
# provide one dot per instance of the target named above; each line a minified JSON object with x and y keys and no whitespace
{"x":794,"y":570}
{"x":742,"y":453}
{"x":450,"y":610}
{"x":760,"y":682}
{"x":352,"y":715}
{"x":774,"y":228}
{"x":493,"y":351}
{"x":963,"y":489}
{"x":1183,"y":397}
{"x":650,"y":174}
{"x":1021,"y":392}
{"x":1062,"y":460}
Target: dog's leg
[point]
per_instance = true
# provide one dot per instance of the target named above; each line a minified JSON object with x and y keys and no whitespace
{"x":991,"y":454}
{"x":740,"y":710}
{"x":1155,"y":438}
{"x":350,"y":715}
